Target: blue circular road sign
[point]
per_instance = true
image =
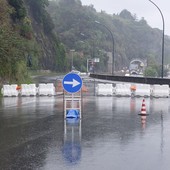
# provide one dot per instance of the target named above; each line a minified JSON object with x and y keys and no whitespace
{"x":72,"y":83}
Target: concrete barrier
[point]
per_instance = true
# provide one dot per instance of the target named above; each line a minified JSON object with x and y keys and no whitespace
{"x":123,"y":90}
{"x":9,"y":90}
{"x":46,"y":89}
{"x":50,"y":89}
{"x":104,"y":89}
{"x":28,"y":90}
{"x":142,"y":90}
{"x":160,"y":90}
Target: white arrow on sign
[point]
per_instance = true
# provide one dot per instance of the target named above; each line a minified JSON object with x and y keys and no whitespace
{"x":73,"y":83}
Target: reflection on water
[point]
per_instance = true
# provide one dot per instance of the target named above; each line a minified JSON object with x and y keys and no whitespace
{"x":162,"y":132}
{"x":72,"y":140}
{"x":110,"y":135}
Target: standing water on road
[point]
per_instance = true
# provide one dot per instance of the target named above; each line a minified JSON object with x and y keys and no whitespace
{"x":110,"y":135}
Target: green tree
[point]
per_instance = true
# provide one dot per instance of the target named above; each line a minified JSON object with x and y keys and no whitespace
{"x":150,"y":72}
{"x":20,"y":11}
{"x":13,"y":48}
{"x":38,"y":8}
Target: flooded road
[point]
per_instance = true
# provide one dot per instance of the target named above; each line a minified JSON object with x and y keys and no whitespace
{"x":34,"y":134}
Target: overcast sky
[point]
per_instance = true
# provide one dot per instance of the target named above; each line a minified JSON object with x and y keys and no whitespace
{"x":142,"y":8}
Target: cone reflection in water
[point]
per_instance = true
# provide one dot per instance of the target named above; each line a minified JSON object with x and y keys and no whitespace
{"x":143,"y":123}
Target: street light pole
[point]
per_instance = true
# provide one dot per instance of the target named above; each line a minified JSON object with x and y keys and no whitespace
{"x":163,"y":32}
{"x":72,"y":62}
{"x":113,"y":60}
{"x":92,"y":52}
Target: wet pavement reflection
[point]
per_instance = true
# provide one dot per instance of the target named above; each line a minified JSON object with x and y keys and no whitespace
{"x":110,"y":135}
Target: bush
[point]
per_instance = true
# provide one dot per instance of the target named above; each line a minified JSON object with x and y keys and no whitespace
{"x":150,"y":72}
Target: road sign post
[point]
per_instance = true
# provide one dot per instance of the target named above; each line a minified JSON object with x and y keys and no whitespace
{"x":72,"y":83}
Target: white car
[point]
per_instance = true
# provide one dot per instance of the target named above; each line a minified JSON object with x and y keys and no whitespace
{"x":75,"y":71}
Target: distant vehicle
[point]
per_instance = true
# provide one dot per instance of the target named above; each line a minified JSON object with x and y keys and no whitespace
{"x":136,"y":75}
{"x":79,"y":73}
{"x":127,"y":74}
{"x":75,"y":71}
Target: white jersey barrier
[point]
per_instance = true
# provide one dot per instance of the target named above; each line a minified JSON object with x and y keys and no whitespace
{"x":46,"y":89}
{"x":28,"y":90}
{"x":9,"y":90}
{"x":123,"y":90}
{"x":160,"y":90}
{"x":104,"y":89}
{"x":143,"y":90}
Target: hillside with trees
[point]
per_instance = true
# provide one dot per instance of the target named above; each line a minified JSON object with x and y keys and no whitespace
{"x":27,"y":41}
{"x":133,"y":37}
{"x":40,"y":35}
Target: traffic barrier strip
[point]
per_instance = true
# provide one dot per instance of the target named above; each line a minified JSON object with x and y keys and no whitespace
{"x":101,"y":89}
{"x":28,"y":89}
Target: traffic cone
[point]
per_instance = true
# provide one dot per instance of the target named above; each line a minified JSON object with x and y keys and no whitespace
{"x":143,"y":114}
{"x":143,"y":109}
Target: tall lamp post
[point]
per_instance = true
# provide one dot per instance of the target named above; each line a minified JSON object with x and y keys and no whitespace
{"x":113,"y":62}
{"x":72,"y":60}
{"x":92,"y":55}
{"x":163,"y":32}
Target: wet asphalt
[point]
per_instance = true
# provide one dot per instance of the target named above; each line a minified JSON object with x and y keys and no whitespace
{"x":110,"y":135}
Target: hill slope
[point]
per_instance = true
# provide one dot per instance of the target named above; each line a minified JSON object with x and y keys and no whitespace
{"x":133,"y":38}
{"x":27,"y":40}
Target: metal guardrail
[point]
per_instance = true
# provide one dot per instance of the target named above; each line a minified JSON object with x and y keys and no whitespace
{"x":143,"y":80}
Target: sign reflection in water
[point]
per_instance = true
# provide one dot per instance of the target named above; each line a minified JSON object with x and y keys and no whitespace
{"x":72,"y":140}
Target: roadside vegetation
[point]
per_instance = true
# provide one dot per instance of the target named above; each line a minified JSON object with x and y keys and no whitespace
{"x":40,"y":34}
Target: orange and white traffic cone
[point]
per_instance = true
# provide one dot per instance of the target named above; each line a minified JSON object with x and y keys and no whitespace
{"x":143,"y":112}
{"x":143,"y":109}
